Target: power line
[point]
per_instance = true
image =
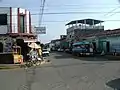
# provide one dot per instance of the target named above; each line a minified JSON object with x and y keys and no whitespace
{"x":77,"y":7}
{"x":62,"y":22}
{"x":112,"y":10}
{"x":82,"y":5}
{"x":69,"y":20}
{"x":76,"y":13}
{"x":50,"y":13}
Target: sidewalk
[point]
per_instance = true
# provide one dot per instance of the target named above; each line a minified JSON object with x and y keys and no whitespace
{"x":109,"y":57}
{"x":9,"y":66}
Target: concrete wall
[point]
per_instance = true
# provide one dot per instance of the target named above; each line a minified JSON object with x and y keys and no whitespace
{"x":14,"y":20}
{"x":7,"y":43}
{"x":114,"y":43}
{"x":27,"y":16}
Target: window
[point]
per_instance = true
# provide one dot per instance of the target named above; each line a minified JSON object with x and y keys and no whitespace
{"x":22,"y":24}
{"x":3,"y":19}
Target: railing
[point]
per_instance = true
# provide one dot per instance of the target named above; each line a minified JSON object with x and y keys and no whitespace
{"x":84,"y":27}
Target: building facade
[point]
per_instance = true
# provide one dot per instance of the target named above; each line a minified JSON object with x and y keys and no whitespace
{"x":108,"y":41}
{"x":14,"y":20}
{"x":78,"y":29}
{"x":15,"y":26}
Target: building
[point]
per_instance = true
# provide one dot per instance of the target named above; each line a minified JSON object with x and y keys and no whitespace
{"x":63,"y":36}
{"x":55,"y":44}
{"x":15,"y":26}
{"x":63,"y":42}
{"x":108,"y":40}
{"x":78,"y":29}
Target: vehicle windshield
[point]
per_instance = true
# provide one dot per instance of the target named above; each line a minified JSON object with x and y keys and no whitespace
{"x":59,"y":44}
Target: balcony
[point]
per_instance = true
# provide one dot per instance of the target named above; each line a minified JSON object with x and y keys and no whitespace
{"x":84,"y":27}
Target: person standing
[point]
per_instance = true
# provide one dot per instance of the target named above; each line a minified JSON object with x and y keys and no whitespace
{"x":40,"y":53}
{"x":33,"y":54}
{"x":91,"y":50}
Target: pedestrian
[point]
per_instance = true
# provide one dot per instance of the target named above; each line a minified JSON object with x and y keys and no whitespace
{"x":40,"y":53}
{"x":91,"y":50}
{"x":33,"y":54}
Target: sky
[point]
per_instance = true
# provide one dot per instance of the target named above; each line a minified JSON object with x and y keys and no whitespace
{"x":55,"y":23}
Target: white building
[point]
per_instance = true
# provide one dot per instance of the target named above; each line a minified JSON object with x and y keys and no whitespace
{"x":15,"y":23}
{"x":78,"y":29}
{"x":14,"y":20}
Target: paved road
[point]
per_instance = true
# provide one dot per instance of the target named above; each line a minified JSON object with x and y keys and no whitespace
{"x":65,"y":72}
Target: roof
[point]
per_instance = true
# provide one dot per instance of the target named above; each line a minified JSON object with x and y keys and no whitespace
{"x":88,"y":21}
{"x":53,"y":41}
{"x":106,"y":33}
{"x":80,"y":43}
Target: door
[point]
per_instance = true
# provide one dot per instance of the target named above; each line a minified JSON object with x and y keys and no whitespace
{"x":94,"y":46}
{"x":108,"y":46}
{"x":1,"y":47}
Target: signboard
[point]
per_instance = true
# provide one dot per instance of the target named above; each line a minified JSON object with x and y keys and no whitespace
{"x":40,"y":30}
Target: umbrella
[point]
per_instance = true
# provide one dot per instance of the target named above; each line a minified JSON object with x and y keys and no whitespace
{"x":34,"y":45}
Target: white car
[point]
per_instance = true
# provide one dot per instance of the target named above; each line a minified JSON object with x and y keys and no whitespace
{"x":60,"y":50}
{"x":45,"y":52}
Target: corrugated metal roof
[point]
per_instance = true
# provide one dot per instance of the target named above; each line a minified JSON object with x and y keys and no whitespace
{"x":105,"y":33}
{"x":86,"y":21}
{"x":79,"y":43}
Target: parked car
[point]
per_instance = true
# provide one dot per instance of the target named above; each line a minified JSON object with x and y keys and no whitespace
{"x":45,"y":52}
{"x":68,"y":50}
{"x":60,"y":50}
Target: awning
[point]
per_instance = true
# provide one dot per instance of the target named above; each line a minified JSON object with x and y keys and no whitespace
{"x":81,"y":43}
{"x":88,"y":21}
{"x":34,"y":45}
{"x":30,"y":40}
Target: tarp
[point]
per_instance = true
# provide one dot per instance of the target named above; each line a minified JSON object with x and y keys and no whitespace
{"x":30,"y":40}
{"x":34,"y":45}
{"x":80,"y":43}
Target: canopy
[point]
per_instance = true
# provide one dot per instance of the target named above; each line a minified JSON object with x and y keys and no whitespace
{"x":34,"y":45}
{"x":80,"y":43}
{"x":86,"y":21}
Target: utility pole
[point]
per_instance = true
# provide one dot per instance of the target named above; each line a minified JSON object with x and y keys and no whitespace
{"x":41,"y":14}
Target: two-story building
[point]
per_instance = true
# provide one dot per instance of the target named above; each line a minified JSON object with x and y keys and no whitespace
{"x":15,"y":26}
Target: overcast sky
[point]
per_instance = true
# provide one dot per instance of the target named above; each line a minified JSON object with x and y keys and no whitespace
{"x":55,"y":29}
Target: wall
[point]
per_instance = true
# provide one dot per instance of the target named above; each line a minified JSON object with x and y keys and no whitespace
{"x":27,"y":16}
{"x":14,"y":20}
{"x":22,"y":11}
{"x":114,"y":43}
{"x":7,"y":43}
{"x":4,"y":28}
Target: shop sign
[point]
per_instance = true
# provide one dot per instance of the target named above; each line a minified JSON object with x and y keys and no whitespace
{"x":40,"y":30}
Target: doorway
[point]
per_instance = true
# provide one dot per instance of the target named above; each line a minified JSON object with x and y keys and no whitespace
{"x":1,"y":47}
{"x":108,"y":46}
{"x":24,"y":48}
{"x":94,"y":46}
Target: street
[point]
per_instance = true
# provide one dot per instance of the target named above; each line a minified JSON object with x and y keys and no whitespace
{"x":65,"y":72}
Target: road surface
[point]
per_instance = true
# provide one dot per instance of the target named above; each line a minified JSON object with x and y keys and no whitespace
{"x":65,"y":72}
